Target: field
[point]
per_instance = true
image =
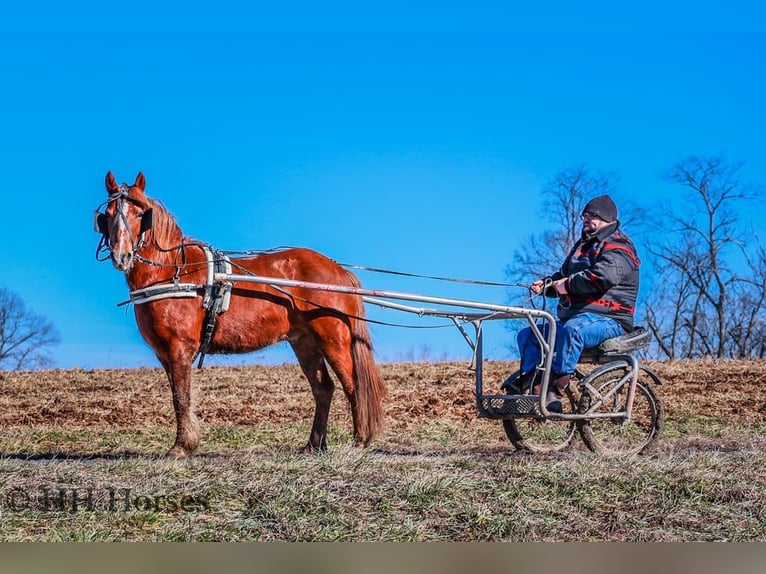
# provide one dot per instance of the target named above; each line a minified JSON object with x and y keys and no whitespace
{"x":80,"y":459}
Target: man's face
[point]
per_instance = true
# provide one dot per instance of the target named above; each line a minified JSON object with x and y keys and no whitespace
{"x":592,"y":223}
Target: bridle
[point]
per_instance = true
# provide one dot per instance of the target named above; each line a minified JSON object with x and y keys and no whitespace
{"x":101,"y":222}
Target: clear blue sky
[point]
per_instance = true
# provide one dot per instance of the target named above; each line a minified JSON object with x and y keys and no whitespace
{"x":410,"y":136}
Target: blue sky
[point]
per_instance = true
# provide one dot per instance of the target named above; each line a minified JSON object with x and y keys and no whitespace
{"x":414,"y":137}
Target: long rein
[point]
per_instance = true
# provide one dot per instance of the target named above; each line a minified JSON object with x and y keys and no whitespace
{"x":179,"y":267}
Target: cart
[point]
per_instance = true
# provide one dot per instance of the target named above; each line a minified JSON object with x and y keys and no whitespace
{"x":612,"y":403}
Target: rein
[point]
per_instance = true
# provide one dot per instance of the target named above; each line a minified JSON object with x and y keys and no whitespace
{"x":217,"y":295}
{"x":436,"y":277}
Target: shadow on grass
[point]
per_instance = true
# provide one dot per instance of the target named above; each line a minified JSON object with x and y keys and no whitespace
{"x":78,"y":456}
{"x":52,"y":456}
{"x":687,"y":445}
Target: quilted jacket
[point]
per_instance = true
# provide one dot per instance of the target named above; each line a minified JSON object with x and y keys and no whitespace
{"x":602,"y":274}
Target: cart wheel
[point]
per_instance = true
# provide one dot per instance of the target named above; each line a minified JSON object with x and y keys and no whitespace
{"x":615,"y":435}
{"x":537,"y":435}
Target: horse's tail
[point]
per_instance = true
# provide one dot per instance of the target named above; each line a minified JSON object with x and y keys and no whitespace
{"x":370,"y":390}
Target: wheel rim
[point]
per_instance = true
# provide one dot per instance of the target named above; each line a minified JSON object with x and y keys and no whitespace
{"x":617,"y":435}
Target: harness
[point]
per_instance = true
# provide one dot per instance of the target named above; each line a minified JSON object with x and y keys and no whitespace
{"x":216,"y":295}
{"x":100,"y":221}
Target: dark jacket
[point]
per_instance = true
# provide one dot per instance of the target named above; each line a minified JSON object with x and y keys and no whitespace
{"x":602,"y":277}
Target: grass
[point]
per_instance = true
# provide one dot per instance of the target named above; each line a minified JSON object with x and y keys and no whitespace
{"x":434,"y":475}
{"x":346,"y":494}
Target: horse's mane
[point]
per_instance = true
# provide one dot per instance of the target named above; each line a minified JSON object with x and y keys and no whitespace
{"x":167,"y":233}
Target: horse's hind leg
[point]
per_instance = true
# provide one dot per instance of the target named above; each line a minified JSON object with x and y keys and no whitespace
{"x":339,"y":356}
{"x":322,"y":388}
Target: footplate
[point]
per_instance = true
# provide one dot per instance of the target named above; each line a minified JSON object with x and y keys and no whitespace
{"x":509,"y":406}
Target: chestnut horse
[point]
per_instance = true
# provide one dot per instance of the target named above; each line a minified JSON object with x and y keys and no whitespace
{"x":145,"y":242}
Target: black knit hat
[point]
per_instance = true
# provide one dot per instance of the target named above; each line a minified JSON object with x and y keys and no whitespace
{"x":603,"y":206}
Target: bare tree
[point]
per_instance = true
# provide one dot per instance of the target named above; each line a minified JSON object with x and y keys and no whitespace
{"x":24,"y":335}
{"x":707,"y":305}
{"x":564,"y":197}
{"x":747,"y":317}
{"x":666,"y":307}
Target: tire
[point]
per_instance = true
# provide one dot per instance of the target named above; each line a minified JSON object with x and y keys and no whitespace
{"x":613,"y":435}
{"x":536,"y":435}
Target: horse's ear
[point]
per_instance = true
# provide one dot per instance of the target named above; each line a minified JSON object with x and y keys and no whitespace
{"x":140,"y":182}
{"x":111,"y":183}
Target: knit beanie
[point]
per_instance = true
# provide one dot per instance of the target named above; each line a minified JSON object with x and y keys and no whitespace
{"x":603,"y":206}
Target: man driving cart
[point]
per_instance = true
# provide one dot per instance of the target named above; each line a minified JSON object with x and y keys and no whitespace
{"x":597,"y":286}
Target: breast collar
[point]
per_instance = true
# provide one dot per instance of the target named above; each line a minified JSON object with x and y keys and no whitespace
{"x":216,"y":295}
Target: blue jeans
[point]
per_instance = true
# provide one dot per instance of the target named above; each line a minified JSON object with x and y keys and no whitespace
{"x":579,"y":332}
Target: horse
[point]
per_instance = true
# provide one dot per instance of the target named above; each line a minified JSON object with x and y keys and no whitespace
{"x":168,"y":275}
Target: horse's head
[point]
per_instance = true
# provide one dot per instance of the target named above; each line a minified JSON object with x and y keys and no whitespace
{"x":127,"y":217}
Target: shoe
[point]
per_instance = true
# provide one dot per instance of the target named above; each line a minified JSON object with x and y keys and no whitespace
{"x":517,"y":385}
{"x":556,"y":393}
{"x":511,"y":386}
{"x":555,"y":406}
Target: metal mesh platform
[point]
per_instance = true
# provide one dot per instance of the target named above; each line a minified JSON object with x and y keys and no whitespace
{"x":503,"y":406}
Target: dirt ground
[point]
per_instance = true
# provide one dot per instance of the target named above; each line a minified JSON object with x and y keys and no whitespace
{"x":253,"y":394}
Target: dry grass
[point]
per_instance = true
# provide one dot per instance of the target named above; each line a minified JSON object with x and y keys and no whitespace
{"x":92,"y":438}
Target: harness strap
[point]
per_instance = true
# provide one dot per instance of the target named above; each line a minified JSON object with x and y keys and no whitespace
{"x":217,"y":296}
{"x":217,"y":262}
{"x":157,"y":292}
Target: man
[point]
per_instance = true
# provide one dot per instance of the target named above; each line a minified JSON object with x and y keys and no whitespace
{"x":597,"y":287}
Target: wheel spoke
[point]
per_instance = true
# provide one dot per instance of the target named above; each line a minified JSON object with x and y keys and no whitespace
{"x":617,"y":434}
{"x":536,"y":435}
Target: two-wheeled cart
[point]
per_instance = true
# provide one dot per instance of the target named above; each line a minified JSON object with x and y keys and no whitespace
{"x":613,"y":406}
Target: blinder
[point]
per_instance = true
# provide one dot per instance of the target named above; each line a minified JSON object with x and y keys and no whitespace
{"x":101,"y":220}
{"x":147,"y":220}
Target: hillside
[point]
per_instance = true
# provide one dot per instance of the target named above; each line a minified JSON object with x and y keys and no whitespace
{"x":80,"y":460}
{"x":419,"y":393}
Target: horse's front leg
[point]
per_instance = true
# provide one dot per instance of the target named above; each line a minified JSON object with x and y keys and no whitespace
{"x":187,"y":426}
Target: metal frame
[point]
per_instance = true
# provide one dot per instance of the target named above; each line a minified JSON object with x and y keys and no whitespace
{"x":499,"y":406}
{"x":459,"y":318}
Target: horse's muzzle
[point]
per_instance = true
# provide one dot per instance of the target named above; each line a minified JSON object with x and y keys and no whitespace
{"x":122,"y":261}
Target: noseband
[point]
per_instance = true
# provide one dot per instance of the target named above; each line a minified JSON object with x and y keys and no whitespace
{"x":101,"y":222}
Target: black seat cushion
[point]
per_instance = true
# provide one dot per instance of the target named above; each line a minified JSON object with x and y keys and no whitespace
{"x":638,"y":338}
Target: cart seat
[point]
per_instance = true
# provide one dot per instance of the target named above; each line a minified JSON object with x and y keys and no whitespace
{"x":639,"y":338}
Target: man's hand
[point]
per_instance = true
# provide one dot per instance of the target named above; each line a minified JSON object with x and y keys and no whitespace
{"x":559,"y":286}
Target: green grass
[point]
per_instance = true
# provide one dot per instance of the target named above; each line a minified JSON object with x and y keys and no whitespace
{"x":91,"y":469}
{"x":248,"y":484}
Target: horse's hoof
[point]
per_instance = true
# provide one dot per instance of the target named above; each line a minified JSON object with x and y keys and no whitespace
{"x":309,"y":449}
{"x":361,"y":443}
{"x":177,"y":453}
